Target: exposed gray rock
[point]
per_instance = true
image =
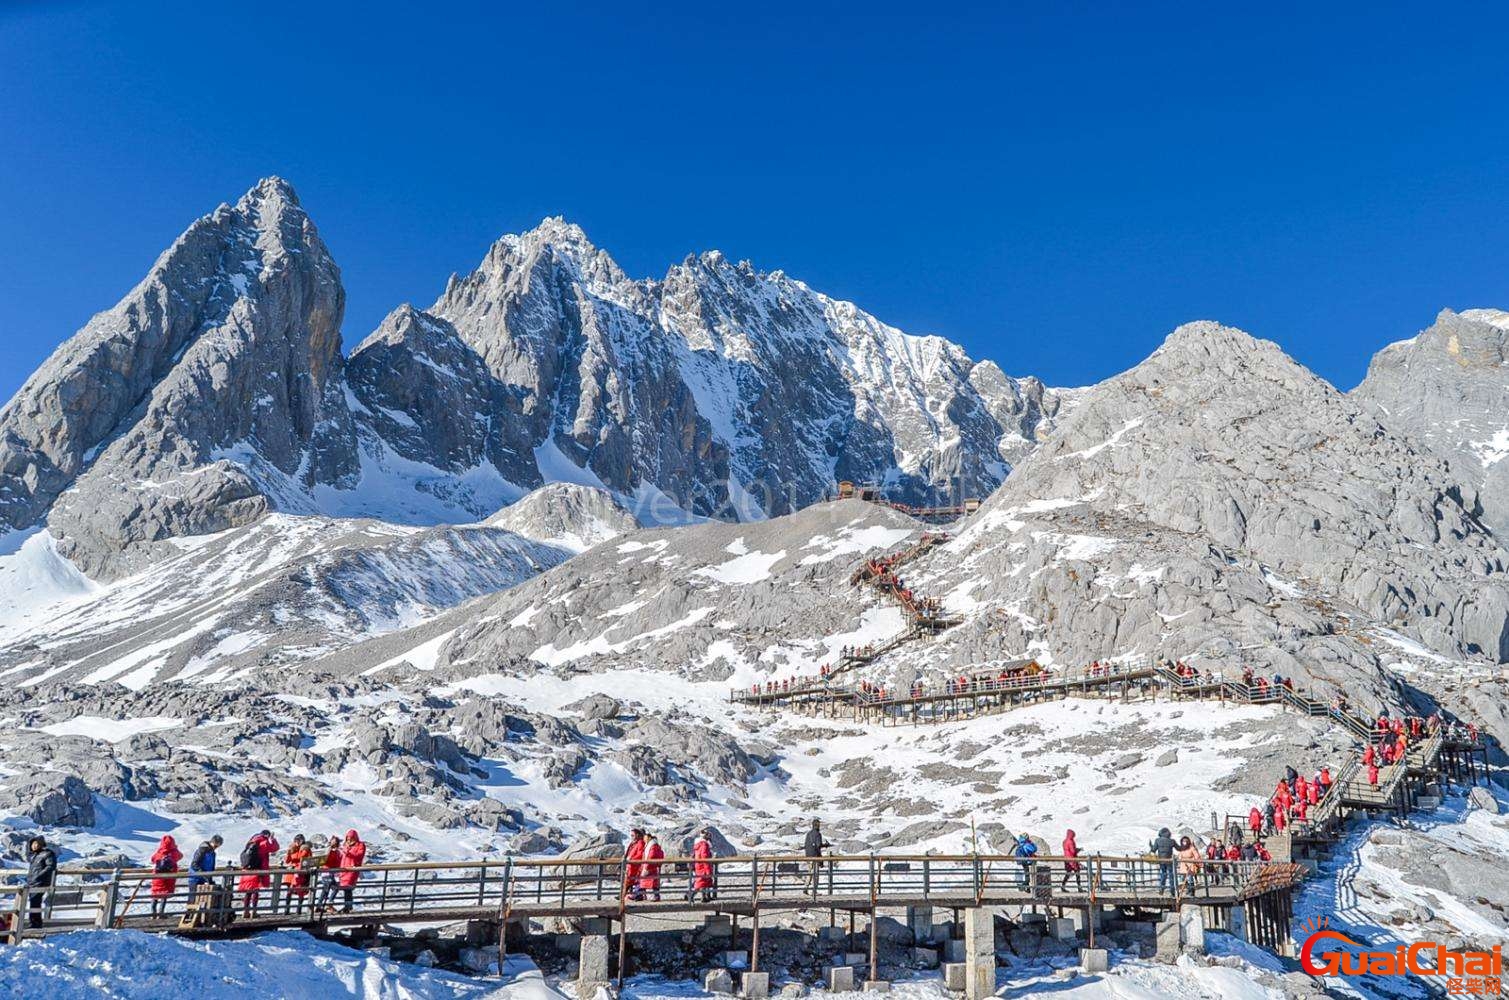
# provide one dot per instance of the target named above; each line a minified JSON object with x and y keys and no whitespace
{"x":596,"y":706}
{"x":736,"y":374}
{"x":49,"y":797}
{"x":175,"y":412}
{"x":1448,"y":388}
{"x":1221,"y":503}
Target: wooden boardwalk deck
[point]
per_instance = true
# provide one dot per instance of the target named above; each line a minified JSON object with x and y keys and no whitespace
{"x":518,"y":888}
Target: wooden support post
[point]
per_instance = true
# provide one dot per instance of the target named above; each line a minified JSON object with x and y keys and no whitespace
{"x":623,"y":947}
{"x":754,"y":943}
{"x":874,"y":947}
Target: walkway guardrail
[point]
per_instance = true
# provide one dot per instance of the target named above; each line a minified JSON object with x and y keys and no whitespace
{"x":457,"y":890}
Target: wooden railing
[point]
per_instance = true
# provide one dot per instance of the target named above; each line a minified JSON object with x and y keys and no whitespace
{"x":454,"y":890}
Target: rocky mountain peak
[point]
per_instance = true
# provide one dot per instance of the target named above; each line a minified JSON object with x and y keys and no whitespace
{"x":1493,"y":317}
{"x":723,"y":391}
{"x":1448,"y":388}
{"x":148,"y":381}
{"x":1222,"y":438}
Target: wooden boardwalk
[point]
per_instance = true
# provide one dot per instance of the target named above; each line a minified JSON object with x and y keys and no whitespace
{"x":518,"y":888}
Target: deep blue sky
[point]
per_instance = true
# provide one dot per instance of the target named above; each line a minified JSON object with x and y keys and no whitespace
{"x":1056,"y":189}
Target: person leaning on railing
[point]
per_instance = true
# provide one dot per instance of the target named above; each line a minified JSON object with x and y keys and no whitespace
{"x":329,"y":869}
{"x":200,"y":865}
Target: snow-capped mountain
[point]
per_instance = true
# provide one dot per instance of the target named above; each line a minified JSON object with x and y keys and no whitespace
{"x":731,"y":390}
{"x":163,"y":416}
{"x":1218,"y":502}
{"x":216,"y":392}
{"x":277,"y":593}
{"x":1448,"y":387}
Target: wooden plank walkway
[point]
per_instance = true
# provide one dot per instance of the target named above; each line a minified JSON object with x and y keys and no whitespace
{"x":517,"y":888}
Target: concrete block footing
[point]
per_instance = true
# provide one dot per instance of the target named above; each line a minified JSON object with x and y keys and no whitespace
{"x":592,"y":962}
{"x":754,"y":985}
{"x":1095,"y":959}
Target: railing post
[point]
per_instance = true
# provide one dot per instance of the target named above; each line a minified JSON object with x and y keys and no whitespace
{"x":106,"y":918}
{"x":18,"y":917}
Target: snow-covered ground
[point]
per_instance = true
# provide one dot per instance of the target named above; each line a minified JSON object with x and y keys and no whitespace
{"x":129,"y":965}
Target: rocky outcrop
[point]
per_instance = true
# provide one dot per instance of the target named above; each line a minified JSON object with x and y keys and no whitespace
{"x":51,"y":798}
{"x":166,"y":415}
{"x":1220,"y":501}
{"x":734,"y":392}
{"x":567,"y":515}
{"x":1448,"y":388}
{"x":216,"y":392}
{"x":430,"y":398}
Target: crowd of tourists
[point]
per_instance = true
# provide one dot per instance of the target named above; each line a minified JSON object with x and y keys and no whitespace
{"x":321,"y":872}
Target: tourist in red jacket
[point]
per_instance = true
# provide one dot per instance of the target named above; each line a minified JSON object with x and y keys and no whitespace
{"x":256,"y":856}
{"x":353,"y":855}
{"x":633,"y":857}
{"x":702,"y":866}
{"x":649,"y":881}
{"x":164,"y":862}
{"x":1071,"y":866}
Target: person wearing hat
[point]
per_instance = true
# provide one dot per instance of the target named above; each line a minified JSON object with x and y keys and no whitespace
{"x":41,"y":873}
{"x":702,"y":866}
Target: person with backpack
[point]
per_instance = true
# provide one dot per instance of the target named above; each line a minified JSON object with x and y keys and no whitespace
{"x":353,"y":854}
{"x":202,"y":863}
{"x":164,"y":863}
{"x":1024,"y":851}
{"x":256,"y":856}
{"x":329,"y":870}
{"x":296,"y":882}
{"x":41,"y":875}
